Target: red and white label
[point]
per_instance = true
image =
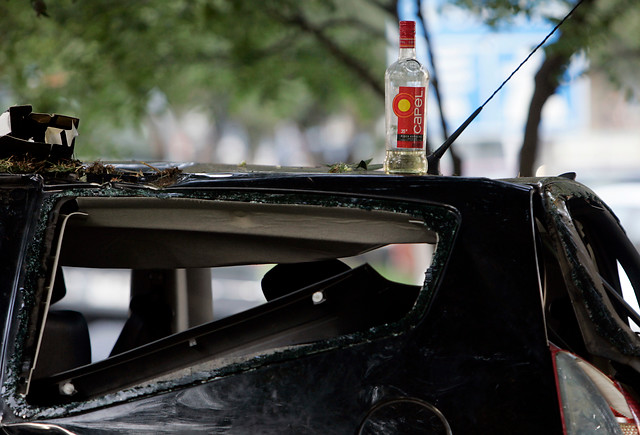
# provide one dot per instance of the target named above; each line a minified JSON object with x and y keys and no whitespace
{"x":408,"y":106}
{"x":408,"y":42}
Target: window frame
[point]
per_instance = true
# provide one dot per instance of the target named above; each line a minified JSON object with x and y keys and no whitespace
{"x":598,"y":314}
{"x":442,"y":219}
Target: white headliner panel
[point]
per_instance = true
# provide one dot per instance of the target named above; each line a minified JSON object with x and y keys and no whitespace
{"x":145,"y":232}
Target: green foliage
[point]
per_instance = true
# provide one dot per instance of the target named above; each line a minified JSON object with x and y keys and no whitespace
{"x":102,"y":60}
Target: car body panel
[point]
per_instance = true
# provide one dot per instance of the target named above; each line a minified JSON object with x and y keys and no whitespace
{"x":472,"y":356}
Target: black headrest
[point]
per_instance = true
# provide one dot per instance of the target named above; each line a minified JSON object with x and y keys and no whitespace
{"x":283,"y":279}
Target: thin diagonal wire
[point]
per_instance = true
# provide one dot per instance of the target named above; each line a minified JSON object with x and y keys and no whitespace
{"x":532,"y":52}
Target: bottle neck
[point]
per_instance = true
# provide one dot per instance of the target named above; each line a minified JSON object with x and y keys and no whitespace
{"x":407,"y":53}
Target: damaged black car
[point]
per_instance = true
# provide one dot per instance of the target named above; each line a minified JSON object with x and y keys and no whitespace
{"x":516,"y":322}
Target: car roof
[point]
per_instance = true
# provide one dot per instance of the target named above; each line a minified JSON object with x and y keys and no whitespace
{"x":171,"y":175}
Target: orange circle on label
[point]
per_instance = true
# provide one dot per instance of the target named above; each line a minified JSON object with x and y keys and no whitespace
{"x":403,"y":105}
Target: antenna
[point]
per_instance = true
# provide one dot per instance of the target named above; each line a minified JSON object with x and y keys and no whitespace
{"x":433,"y":160}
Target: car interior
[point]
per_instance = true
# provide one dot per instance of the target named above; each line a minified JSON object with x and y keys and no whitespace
{"x":170,"y":247}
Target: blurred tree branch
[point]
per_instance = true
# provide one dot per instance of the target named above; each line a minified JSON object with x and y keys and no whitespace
{"x":348,"y":59}
{"x":457,"y":162}
{"x":390,"y":7}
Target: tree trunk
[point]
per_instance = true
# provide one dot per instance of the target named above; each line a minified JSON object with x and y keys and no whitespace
{"x":457,"y":162}
{"x":546,"y":83}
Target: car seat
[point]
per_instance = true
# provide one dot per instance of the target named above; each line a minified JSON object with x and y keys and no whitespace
{"x":150,"y":316}
{"x":65,"y":341}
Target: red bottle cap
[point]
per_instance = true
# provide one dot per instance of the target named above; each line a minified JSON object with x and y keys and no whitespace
{"x":407,"y":34}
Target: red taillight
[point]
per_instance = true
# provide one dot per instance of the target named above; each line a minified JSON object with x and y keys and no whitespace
{"x":590,"y":402}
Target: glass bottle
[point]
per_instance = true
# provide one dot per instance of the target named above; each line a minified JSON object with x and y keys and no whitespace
{"x":406,"y":86}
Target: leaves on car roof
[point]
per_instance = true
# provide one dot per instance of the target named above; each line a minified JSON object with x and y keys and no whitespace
{"x":28,"y":165}
{"x":93,"y":172}
{"x":362,"y":165}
